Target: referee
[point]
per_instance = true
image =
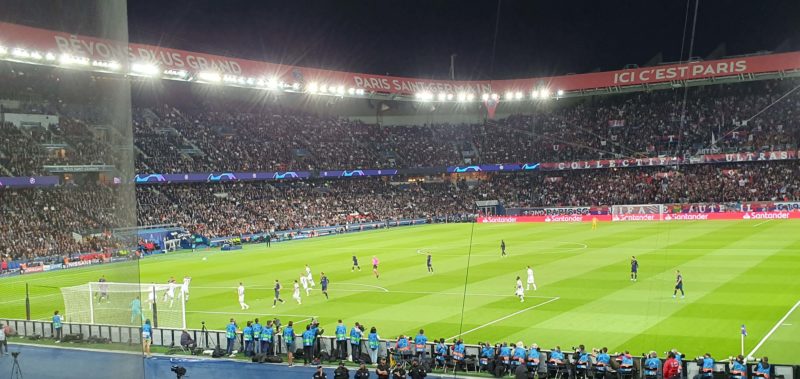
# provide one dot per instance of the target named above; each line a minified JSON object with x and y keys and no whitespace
{"x":678,"y":285}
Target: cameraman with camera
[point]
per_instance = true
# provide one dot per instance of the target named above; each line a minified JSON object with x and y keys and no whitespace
{"x":738,"y":368}
{"x":651,"y":365}
{"x":763,"y":368}
{"x":706,"y":364}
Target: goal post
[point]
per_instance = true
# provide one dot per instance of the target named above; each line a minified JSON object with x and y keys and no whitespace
{"x":110,"y":303}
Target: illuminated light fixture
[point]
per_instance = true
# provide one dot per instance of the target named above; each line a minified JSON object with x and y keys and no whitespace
{"x":470,"y":96}
{"x":495,"y":96}
{"x":177,"y":73}
{"x":560,"y":92}
{"x":509,"y":95}
{"x":340,"y":90}
{"x":3,"y":50}
{"x":518,"y":96}
{"x":48,"y":56}
{"x":442,"y":96}
{"x":323,"y":88}
{"x":296,"y":86}
{"x":261,"y":82}
{"x":241,"y":80}
{"x":535,"y":94}
{"x":313,"y":87}
{"x":360,"y":91}
{"x":146,"y":69}
{"x":111,"y":65}
{"x":229,"y":78}
{"x":351,"y":91}
{"x":424,"y":96}
{"x":36,"y":55}
{"x":461,"y":96}
{"x":251,"y":81}
{"x":485,"y":97}
{"x":67,"y":59}
{"x":545,"y":93}
{"x":272,"y":83}
{"x":449,"y":96}
{"x":209,"y":76}
{"x":20,"y":53}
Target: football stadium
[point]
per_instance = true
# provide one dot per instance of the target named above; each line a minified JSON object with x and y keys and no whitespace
{"x":287,"y":190}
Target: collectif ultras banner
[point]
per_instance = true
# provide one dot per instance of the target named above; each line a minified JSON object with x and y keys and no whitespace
{"x":15,"y":36}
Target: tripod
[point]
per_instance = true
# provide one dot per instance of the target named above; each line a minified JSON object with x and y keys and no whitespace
{"x":204,"y":334}
{"x":16,"y":371}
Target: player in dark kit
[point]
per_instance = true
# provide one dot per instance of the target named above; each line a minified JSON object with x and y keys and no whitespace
{"x":634,"y":269}
{"x":324,"y":282}
{"x":355,"y":264}
{"x":277,"y":293}
{"x":503,"y":248}
{"x":430,"y":265}
{"x":678,"y":285}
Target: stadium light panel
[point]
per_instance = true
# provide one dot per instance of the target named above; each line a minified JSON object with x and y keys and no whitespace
{"x":20,"y":53}
{"x":449,"y":96}
{"x":462,"y":96}
{"x":560,"y":92}
{"x":250,"y":81}
{"x":36,"y":55}
{"x":296,"y":86}
{"x":509,"y":95}
{"x":360,"y":91}
{"x":272,"y":83}
{"x":3,"y":50}
{"x":241,"y":80}
{"x":340,"y":90}
{"x":495,"y":96}
{"x":313,"y":87}
{"x":323,"y":88}
{"x":485,"y":97}
{"x":442,"y":96}
{"x":535,"y":94}
{"x":146,"y":69}
{"x":67,"y":59}
{"x":176,"y":73}
{"x":48,"y":56}
{"x":518,"y":95}
{"x":470,"y":97}
{"x":210,"y":76}
{"x":545,"y":93}
{"x":351,"y":91}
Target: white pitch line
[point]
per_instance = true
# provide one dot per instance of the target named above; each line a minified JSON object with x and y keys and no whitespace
{"x":762,"y":222}
{"x":503,"y":318}
{"x":774,"y":328}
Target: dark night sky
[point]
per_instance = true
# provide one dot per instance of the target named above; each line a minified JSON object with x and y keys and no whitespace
{"x":416,"y":37}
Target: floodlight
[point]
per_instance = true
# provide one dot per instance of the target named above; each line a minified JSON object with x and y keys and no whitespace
{"x":442,"y":96}
{"x":359,"y":91}
{"x":560,"y":92}
{"x":323,"y":88}
{"x":3,"y":50}
{"x":535,"y":94}
{"x":485,"y":97}
{"x":340,"y":90}
{"x":545,"y":93}
{"x":144,"y":69}
{"x":48,"y":56}
{"x":210,"y":76}
{"x":449,"y":96}
{"x":351,"y":91}
{"x":470,"y":96}
{"x":20,"y":53}
{"x":509,"y":95}
{"x":296,"y":86}
{"x":518,"y":95}
{"x":495,"y":96}
{"x":313,"y":87}
{"x":462,"y":96}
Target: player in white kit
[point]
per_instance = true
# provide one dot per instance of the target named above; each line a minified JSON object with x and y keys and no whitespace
{"x":304,"y":282}
{"x":309,"y":276}
{"x":520,"y":291}
{"x":530,"y":280}
{"x":170,"y":293}
{"x":241,"y":297}
{"x":151,"y":295}
{"x":185,"y":287}
{"x":296,"y":293}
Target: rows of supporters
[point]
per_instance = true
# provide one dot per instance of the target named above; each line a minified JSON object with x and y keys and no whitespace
{"x":41,"y":222}
{"x":231,"y":136}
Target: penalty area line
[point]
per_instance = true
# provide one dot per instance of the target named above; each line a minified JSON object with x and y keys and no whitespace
{"x":774,"y":328}
{"x":503,"y":318}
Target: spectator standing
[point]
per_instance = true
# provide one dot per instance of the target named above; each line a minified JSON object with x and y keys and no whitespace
{"x":57,"y":326}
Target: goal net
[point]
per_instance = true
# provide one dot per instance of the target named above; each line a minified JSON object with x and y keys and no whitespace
{"x":109,"y":303}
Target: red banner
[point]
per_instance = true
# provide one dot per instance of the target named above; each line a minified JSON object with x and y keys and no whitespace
{"x":554,"y":218}
{"x":45,"y":41}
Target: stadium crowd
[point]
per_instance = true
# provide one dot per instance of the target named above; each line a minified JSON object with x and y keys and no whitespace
{"x":203,"y":135}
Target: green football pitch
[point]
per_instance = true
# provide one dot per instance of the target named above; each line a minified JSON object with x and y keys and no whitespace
{"x":735,"y":272}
